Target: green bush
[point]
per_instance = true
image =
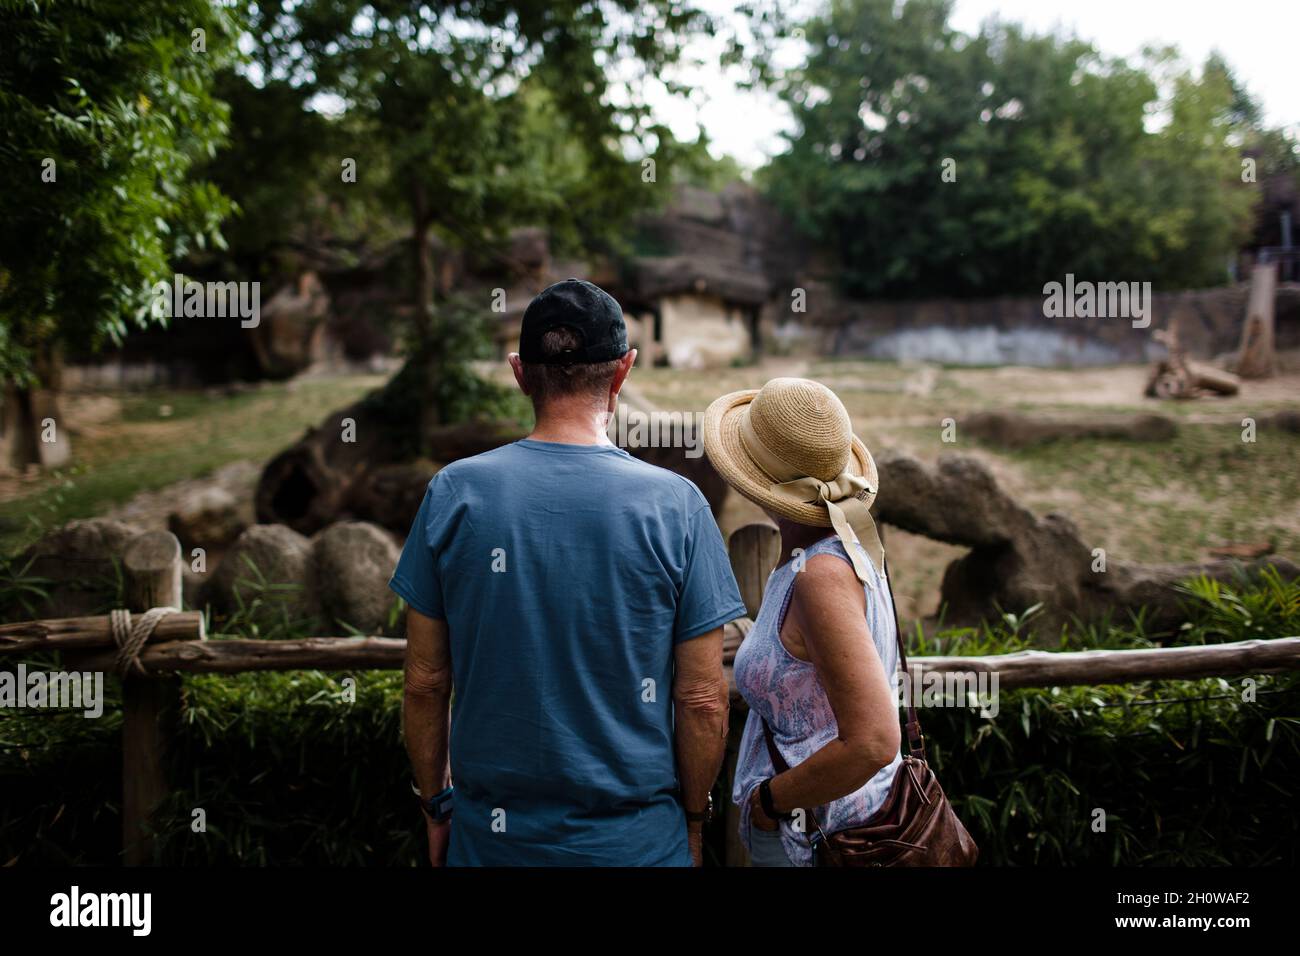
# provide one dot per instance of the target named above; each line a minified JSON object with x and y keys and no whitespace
{"x":289,"y":770}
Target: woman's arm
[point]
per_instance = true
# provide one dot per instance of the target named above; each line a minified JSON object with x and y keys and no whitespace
{"x":826,"y":620}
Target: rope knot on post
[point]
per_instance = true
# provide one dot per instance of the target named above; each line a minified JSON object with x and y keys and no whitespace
{"x":130,"y":634}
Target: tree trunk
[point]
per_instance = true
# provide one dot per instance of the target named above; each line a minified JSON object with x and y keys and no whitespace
{"x":1256,"y":358}
{"x":422,"y":258}
{"x":32,"y":429}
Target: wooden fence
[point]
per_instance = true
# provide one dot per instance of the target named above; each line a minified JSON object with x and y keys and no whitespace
{"x":151,"y":701}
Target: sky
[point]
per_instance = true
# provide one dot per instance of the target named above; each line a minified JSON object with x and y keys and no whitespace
{"x":1257,"y":37}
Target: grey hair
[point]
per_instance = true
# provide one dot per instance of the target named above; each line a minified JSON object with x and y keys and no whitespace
{"x":545,"y":382}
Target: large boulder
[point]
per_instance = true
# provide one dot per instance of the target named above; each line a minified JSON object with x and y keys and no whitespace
{"x":1018,"y":560}
{"x":390,"y":495}
{"x":209,"y":518}
{"x":264,"y":579}
{"x":77,"y":566}
{"x":289,"y":335}
{"x":350,"y":564}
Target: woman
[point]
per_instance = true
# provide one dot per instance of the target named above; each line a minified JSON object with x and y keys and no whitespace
{"x":818,"y":665}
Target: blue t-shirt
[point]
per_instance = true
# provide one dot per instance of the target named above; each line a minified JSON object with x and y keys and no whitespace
{"x":566,"y":574}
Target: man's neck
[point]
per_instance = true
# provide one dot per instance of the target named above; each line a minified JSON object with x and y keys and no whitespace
{"x":570,"y":423}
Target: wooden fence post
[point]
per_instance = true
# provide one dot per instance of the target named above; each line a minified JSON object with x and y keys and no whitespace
{"x":152,"y":567}
{"x":754,"y":551}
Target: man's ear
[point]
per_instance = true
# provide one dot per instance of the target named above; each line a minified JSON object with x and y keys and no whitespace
{"x":621,"y":372}
{"x":517,"y":366}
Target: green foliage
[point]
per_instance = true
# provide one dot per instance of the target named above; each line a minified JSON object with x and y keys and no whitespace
{"x":283,"y":169}
{"x":1187,"y":772}
{"x":1268,"y":609}
{"x":1065,"y":160}
{"x":116,"y":98}
{"x":22,"y":593}
{"x":264,"y":609}
{"x":288,"y":771}
{"x":439,"y":379}
{"x":476,"y":118}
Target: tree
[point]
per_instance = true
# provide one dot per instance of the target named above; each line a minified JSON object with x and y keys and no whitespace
{"x":105,"y":109}
{"x":446,"y":100}
{"x":473,"y":118}
{"x":939,"y":163}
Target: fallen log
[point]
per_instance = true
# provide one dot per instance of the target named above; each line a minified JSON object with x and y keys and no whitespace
{"x":1179,"y":377}
{"x":1013,"y":430}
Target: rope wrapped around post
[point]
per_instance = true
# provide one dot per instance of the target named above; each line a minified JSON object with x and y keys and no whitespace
{"x":130,"y":634}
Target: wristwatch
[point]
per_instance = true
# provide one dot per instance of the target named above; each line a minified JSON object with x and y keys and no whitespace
{"x":438,"y":807}
{"x":700,"y":816}
{"x":768,"y":804}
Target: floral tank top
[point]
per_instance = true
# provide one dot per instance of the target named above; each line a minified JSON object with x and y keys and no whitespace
{"x":786,"y":691}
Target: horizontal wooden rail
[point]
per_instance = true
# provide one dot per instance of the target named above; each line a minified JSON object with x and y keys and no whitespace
{"x":90,"y":638}
{"x":1065,"y":668}
{"x":78,"y":633}
{"x":235,"y":656}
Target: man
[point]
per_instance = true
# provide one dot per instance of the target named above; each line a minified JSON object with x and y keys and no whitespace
{"x":573,"y":597}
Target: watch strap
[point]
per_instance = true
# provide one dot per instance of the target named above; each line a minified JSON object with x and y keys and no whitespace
{"x":438,"y":807}
{"x":767,"y":803}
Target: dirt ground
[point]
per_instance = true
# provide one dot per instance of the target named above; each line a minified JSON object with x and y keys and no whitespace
{"x":1152,"y":502}
{"x":1168,"y":501}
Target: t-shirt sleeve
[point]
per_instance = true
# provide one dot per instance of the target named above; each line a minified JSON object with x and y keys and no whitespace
{"x":709,"y":597}
{"x":416,"y":579}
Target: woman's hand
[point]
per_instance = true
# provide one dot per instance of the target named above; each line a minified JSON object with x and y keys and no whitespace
{"x":757,"y":817}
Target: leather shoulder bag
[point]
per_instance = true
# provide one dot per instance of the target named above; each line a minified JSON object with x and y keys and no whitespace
{"x":916,"y":826}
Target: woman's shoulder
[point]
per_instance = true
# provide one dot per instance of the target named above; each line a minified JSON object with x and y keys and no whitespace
{"x":826,"y":577}
{"x":830,"y":563}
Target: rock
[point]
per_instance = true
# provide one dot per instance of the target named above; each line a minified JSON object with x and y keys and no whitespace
{"x":1018,"y":560}
{"x":390,"y":495}
{"x":289,"y":335}
{"x":80,"y":564}
{"x":264,"y":575}
{"x":207,"y":518}
{"x":350,"y":565}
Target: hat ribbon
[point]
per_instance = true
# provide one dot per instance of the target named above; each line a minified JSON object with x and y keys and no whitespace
{"x":850,"y":518}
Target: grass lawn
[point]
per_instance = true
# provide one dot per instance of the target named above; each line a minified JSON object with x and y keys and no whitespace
{"x":128,"y":442}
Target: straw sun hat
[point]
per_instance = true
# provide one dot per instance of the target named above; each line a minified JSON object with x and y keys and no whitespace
{"x":789,"y":447}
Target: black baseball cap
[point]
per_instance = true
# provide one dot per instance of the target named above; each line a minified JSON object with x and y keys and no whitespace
{"x":588,"y":310}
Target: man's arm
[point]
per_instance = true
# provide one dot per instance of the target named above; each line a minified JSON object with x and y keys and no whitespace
{"x":700,"y":699}
{"x":426,"y":711}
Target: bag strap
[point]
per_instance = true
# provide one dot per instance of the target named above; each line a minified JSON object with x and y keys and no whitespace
{"x":915,"y":739}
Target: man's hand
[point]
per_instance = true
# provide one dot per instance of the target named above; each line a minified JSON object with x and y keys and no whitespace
{"x":695,"y":840}
{"x":426,"y":700}
{"x":700,"y":703}
{"x":439,"y":837}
